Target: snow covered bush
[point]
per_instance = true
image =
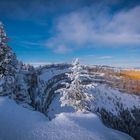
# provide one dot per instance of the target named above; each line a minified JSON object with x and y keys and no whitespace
{"x":74,"y":94}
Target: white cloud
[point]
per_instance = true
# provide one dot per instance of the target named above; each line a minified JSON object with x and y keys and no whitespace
{"x":61,"y":49}
{"x":91,"y":26}
{"x":106,"y":57}
{"x":31,"y":43}
{"x":126,"y":22}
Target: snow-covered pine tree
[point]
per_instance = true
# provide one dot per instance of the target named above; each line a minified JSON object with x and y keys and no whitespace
{"x":8,"y":59}
{"x":8,"y":65}
{"x":11,"y":75}
{"x":74,"y":93}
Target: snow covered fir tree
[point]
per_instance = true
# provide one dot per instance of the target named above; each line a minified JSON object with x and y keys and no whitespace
{"x":78,"y":101}
{"x":74,"y":94}
{"x":8,"y":65}
{"x":10,"y":71}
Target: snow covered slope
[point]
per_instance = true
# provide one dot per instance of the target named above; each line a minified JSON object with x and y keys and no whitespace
{"x":112,"y":100}
{"x":18,"y":123}
{"x":117,"y":109}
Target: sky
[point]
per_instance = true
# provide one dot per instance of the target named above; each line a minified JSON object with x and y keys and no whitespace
{"x":103,"y":32}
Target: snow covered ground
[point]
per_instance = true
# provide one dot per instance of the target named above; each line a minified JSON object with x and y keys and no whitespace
{"x":18,"y":123}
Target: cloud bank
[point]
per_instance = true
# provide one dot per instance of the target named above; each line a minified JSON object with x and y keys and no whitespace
{"x":94,"y":25}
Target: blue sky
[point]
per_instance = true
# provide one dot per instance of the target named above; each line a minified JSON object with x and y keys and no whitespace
{"x":98,"y":32}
